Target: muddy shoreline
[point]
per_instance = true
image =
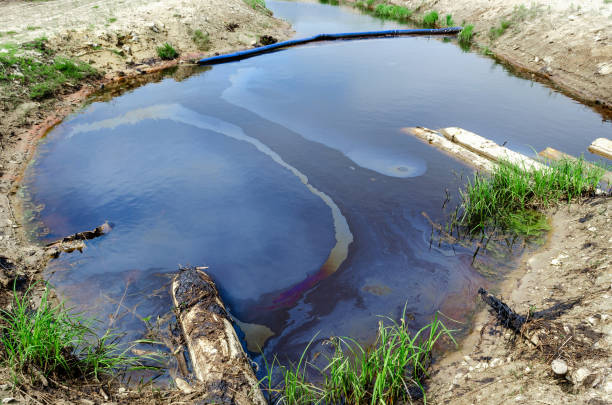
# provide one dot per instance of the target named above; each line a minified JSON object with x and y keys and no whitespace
{"x":22,"y":128}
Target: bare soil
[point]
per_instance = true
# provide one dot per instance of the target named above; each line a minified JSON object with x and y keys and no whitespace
{"x":566,"y":288}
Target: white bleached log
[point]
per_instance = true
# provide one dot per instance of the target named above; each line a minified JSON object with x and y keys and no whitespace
{"x":602,"y":147}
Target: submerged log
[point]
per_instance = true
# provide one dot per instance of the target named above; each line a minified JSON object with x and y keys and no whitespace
{"x":217,"y":357}
{"x":602,"y":147}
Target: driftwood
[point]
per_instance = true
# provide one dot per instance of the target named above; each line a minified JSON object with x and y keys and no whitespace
{"x":489,"y":149}
{"x":436,"y":139}
{"x":505,"y":314}
{"x":217,"y":357}
{"x":75,"y":242}
{"x":602,"y":147}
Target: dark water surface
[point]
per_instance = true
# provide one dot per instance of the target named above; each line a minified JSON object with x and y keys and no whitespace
{"x":287,"y":175}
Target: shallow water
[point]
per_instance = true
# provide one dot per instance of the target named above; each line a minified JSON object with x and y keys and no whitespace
{"x":287,"y":175}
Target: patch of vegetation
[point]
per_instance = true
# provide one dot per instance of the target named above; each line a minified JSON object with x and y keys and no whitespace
{"x":39,"y":74}
{"x":330,"y":2}
{"x":32,"y":28}
{"x":510,"y":199}
{"x":112,"y":20}
{"x":201,"y":39}
{"x":392,"y":12}
{"x":258,"y":5}
{"x":167,"y":52}
{"x":486,"y":51}
{"x":449,"y":20}
{"x":430,"y":19}
{"x":51,"y":341}
{"x":392,"y":370}
{"x":496,"y":32}
{"x":465,"y":36}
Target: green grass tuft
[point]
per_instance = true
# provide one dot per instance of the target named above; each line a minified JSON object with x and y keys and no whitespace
{"x":258,"y":5}
{"x":430,"y":19}
{"x":466,"y":35}
{"x":449,"y":20}
{"x":510,"y":199}
{"x":42,"y":76}
{"x":52,"y":341}
{"x":496,"y":32}
{"x":390,"y":371}
{"x":167,"y":52}
{"x":201,"y":39}
{"x":392,"y":12}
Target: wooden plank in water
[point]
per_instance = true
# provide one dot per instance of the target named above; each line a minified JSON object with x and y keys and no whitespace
{"x":602,"y":147}
{"x":456,"y":151}
{"x":489,"y":149}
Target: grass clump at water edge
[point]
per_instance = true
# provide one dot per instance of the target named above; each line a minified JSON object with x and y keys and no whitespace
{"x":167,"y":52}
{"x":511,"y":198}
{"x":51,"y":341}
{"x":466,"y":35}
{"x":392,"y":370}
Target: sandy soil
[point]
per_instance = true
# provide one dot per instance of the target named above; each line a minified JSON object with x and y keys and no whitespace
{"x":567,"y":286}
{"x":568,"y":42}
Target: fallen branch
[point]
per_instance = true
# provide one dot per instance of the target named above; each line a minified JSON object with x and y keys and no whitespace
{"x":75,"y":242}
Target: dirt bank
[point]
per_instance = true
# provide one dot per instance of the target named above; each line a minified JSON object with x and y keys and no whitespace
{"x":568,"y":42}
{"x":566,"y":286}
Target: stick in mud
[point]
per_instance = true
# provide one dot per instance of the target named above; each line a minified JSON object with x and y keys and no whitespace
{"x":217,"y":357}
{"x":505,"y":314}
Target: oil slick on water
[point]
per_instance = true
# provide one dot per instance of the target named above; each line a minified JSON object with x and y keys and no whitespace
{"x":288,"y":176}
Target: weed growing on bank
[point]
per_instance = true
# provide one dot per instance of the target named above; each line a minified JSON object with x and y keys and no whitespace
{"x":511,"y":198}
{"x":466,"y":35}
{"x":258,"y":5}
{"x":392,"y":12}
{"x":201,"y":40}
{"x":392,"y":370}
{"x":34,"y":68}
{"x":167,"y":52}
{"x":430,"y":19}
{"x":51,"y":341}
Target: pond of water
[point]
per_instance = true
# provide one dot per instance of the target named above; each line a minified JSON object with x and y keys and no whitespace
{"x":288,"y":176}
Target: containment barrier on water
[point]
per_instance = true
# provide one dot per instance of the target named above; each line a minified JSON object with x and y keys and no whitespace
{"x":230,"y":57}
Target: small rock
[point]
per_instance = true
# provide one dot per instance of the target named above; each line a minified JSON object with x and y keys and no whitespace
{"x":582,"y":376}
{"x":4,"y":387}
{"x":555,"y":262}
{"x":591,"y":320}
{"x":153,"y":27}
{"x":8,"y":400}
{"x":527,"y":370}
{"x":559,"y":366}
{"x":121,"y":390}
{"x":592,"y":229}
{"x":86,"y":401}
{"x":183,"y":385}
